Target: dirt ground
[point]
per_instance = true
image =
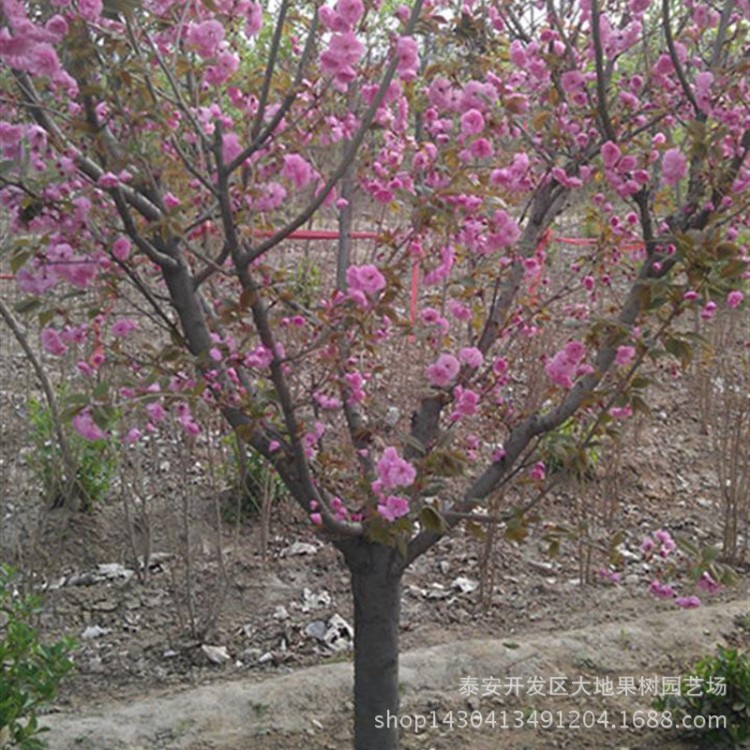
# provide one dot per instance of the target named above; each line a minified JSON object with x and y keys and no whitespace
{"x":310,"y":707}
{"x":210,"y":613}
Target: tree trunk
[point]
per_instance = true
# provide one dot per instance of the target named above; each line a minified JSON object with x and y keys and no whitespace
{"x":376,"y":572}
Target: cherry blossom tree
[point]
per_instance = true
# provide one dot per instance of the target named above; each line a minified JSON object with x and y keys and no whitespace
{"x":165,"y":151}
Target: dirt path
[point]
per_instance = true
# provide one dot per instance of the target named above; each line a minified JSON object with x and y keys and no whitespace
{"x":311,"y":707}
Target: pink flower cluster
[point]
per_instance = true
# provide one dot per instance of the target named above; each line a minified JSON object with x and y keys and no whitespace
{"x":205,"y":38}
{"x":665,"y":591}
{"x":393,"y":471}
{"x":84,"y":424}
{"x":340,"y":511}
{"x":624,"y":355}
{"x":407,"y":53}
{"x":465,"y":404}
{"x":443,"y":371}
{"x":364,"y":281}
{"x":259,"y":358}
{"x":505,"y":231}
{"x":393,"y":507}
{"x":674,"y":166}
{"x":566,"y":364}
{"x":622,"y":171}
{"x":185,"y":418}
{"x":297,"y":170}
{"x":340,"y":59}
{"x":661,"y":542}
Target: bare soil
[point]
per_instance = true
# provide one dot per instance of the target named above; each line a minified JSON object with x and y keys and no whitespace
{"x":141,"y":665}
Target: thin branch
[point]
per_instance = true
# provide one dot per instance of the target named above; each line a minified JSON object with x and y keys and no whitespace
{"x":601,"y":83}
{"x":667,"y":25}
{"x":285,"y":105}
{"x":49,"y":394}
{"x":349,"y":155}
{"x":270,"y":68}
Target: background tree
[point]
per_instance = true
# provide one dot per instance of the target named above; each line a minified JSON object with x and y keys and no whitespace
{"x":158,"y":154}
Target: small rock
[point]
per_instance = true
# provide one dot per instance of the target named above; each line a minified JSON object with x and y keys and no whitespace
{"x":465,"y":585}
{"x":544,"y":567}
{"x":280,"y":613}
{"x":114,"y":571}
{"x":250,"y":655}
{"x":94,"y":631}
{"x":437,"y":591}
{"x":265,"y":658}
{"x":300,"y":548}
{"x":339,"y":636}
{"x":317,"y":629}
{"x":315,"y":601}
{"x":82,"y":579}
{"x":215,"y":654}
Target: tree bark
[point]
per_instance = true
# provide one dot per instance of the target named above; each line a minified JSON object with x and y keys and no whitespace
{"x":376,"y":572}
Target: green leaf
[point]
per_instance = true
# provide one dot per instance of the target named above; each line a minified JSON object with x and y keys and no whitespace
{"x":734,"y":269}
{"x":19,"y":259}
{"x":27,"y":305}
{"x":680,"y":349}
{"x":431,"y":520}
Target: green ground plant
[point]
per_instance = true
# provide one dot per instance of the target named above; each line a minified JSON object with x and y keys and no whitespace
{"x":94,"y":461}
{"x":252,"y":484}
{"x":31,"y":670}
{"x":724,"y":682}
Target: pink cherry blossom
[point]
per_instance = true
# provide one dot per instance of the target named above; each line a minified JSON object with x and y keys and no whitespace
{"x":708,"y":310}
{"x":121,"y":248}
{"x":84,"y":424}
{"x":471,"y":357}
{"x":365,"y":279}
{"x":254,"y":16}
{"x":443,"y":371}
{"x":297,"y":170}
{"x":538,"y":471}
{"x":393,"y":507}
{"x":564,"y":366}
{"x":661,"y":590}
{"x":343,"y":53}
{"x":624,"y":355}
{"x":272,"y":196}
{"x":394,"y":471}
{"x":52,"y":343}
{"x":259,"y":358}
{"x":610,"y":154}
{"x":205,"y":37}
{"x":458,"y":310}
{"x":688,"y":602}
{"x":674,"y":166}
{"x":734,"y":299}
{"x":472,"y":122}
{"x":44,"y":61}
{"x":621,"y":412}
{"x":90,"y":10}
{"x":407,"y":53}
{"x":155,"y":411}
{"x":124,"y":327}
{"x":664,"y":538}
{"x":132,"y":436}
{"x":707,"y":583}
{"x":465,"y":404}
{"x":350,"y":10}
